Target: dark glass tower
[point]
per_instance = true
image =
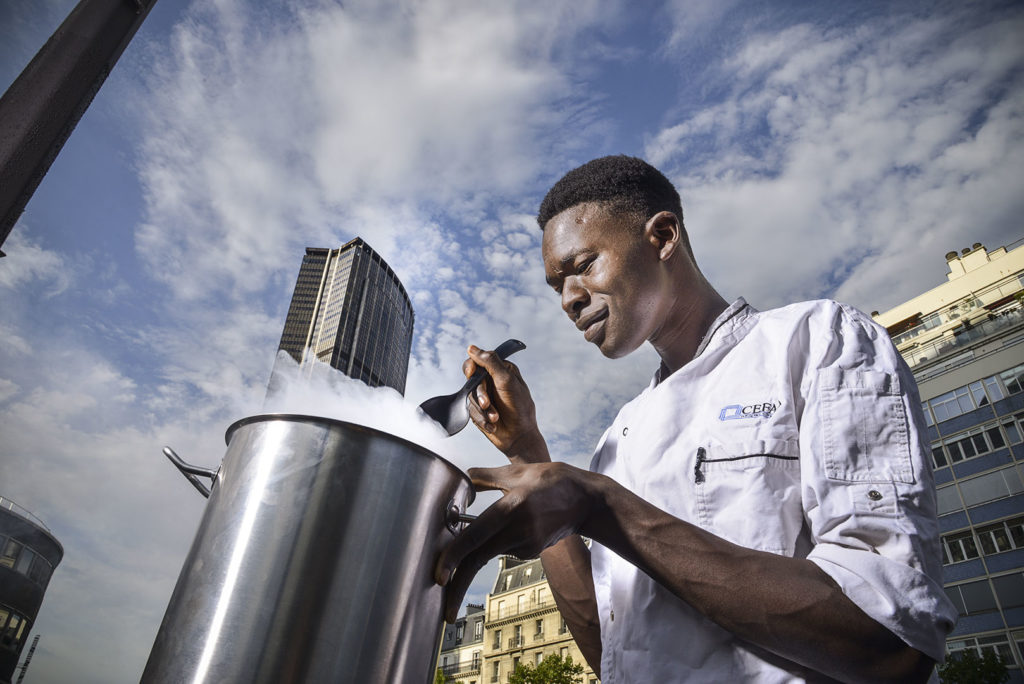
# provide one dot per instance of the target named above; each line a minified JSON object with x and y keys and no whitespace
{"x":350,"y":310}
{"x":28,"y":555}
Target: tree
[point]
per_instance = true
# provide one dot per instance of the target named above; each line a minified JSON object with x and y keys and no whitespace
{"x":967,"y":667}
{"x":552,"y":670}
{"x":441,"y":678}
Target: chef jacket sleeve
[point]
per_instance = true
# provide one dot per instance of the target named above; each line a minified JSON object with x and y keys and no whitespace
{"x":866,"y":479}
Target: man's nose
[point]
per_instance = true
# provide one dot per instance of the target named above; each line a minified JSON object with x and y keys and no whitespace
{"x":574,"y":298}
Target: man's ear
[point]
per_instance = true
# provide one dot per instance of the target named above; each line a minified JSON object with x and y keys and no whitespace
{"x":663,"y":231}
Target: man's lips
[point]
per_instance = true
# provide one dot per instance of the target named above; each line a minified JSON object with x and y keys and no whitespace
{"x":590,"y":324}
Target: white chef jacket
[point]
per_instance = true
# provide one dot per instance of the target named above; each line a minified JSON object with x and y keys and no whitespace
{"x":796,"y":431}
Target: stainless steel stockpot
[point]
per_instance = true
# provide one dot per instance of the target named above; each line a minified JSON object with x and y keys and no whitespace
{"x":314,"y":559}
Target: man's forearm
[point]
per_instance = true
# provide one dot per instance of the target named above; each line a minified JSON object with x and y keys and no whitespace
{"x":788,"y":606}
{"x":567,"y":566}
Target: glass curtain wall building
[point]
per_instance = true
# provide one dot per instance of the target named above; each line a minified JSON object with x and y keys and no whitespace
{"x":350,"y":310}
{"x":28,"y":555}
{"x":964,"y":341}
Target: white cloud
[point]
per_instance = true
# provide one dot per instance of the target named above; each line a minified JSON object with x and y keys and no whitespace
{"x":8,"y":389}
{"x":29,"y":263}
{"x":264,"y":138}
{"x":427,"y":129}
{"x":884,"y":151}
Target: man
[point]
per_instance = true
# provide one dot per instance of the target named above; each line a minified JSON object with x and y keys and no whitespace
{"x":764,"y":511}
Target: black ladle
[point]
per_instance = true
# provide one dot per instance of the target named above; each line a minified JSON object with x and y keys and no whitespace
{"x":451,"y":411}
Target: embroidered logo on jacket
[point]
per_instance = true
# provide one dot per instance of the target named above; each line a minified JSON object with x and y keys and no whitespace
{"x":737,"y":412}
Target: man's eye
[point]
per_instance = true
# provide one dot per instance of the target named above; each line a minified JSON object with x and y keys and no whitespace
{"x":584,"y":266}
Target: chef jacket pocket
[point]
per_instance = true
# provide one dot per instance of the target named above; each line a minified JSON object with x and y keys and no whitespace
{"x":749,"y":493}
{"x":865,"y":436}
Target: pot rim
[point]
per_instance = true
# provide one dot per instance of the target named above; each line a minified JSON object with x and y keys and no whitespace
{"x":302,"y":418}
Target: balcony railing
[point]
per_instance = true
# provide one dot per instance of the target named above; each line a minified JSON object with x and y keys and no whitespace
{"x":539,"y":636}
{"x":527,"y":607}
{"x":453,"y":670}
{"x":962,"y":338}
{"x":23,"y":512}
{"x":515,"y":642}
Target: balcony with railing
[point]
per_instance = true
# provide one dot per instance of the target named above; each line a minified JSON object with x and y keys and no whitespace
{"x":963,"y":337}
{"x":11,"y":506}
{"x":456,"y":670}
{"x":515,"y":642}
{"x":521,"y":609}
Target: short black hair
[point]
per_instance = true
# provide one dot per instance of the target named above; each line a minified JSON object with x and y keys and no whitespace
{"x":622,"y":183}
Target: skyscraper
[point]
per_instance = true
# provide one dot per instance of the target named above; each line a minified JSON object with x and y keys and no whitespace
{"x":350,"y":310}
{"x":964,"y":341}
{"x":28,"y":554}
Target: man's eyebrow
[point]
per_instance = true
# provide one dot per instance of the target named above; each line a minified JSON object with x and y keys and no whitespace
{"x":569,"y":258}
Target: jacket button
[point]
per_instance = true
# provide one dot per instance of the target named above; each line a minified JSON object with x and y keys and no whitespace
{"x":874,"y":495}
{"x":625,"y":431}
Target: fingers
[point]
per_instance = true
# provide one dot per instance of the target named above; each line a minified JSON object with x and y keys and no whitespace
{"x":468,"y":551}
{"x":488,"y":479}
{"x":495,"y":365}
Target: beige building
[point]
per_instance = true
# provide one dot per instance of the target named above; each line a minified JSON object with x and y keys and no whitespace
{"x":461,"y":654}
{"x":980,"y":286}
{"x":522,"y":624}
{"x":964,"y":341}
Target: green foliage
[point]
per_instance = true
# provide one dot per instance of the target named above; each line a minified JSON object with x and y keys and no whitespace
{"x":967,"y":667}
{"x":552,"y":670}
{"x":439,"y":677}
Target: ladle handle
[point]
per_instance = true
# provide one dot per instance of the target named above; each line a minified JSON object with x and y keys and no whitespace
{"x":190,"y":471}
{"x":504,"y":350}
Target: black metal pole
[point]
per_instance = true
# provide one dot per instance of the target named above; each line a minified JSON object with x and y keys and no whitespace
{"x":42,"y":107}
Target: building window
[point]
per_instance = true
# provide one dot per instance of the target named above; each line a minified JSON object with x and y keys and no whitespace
{"x":947,"y":499}
{"x":12,"y":628}
{"x":460,"y":629}
{"x":495,"y":671}
{"x":972,"y":598}
{"x":564,"y":652}
{"x":958,"y":547}
{"x":497,"y":640}
{"x":1010,"y":590}
{"x":979,"y":393}
{"x":1012,"y":427}
{"x":538,"y":628}
{"x":11,"y":551}
{"x":1013,"y":379}
{"x":991,"y":486}
{"x":563,"y":628}
{"x":538,"y":657}
{"x":952,"y":404}
{"x":976,"y":443}
{"x":1003,"y":536}
{"x":478,"y":630}
{"x":997,"y":644}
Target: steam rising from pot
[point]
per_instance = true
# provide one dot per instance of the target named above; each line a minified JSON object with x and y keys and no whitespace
{"x":317,"y":389}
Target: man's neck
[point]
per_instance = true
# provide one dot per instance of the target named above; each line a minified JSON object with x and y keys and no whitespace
{"x":677,"y":343}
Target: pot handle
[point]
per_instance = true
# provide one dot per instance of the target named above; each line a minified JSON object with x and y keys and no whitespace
{"x":190,"y":472}
{"x":454,"y":518}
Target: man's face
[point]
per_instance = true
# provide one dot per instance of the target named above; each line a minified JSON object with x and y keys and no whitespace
{"x":608,"y":274}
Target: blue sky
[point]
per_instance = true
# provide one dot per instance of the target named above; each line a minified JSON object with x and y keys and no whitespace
{"x":821,"y":149}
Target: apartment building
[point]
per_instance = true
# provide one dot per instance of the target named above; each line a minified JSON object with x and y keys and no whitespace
{"x":964,"y":341}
